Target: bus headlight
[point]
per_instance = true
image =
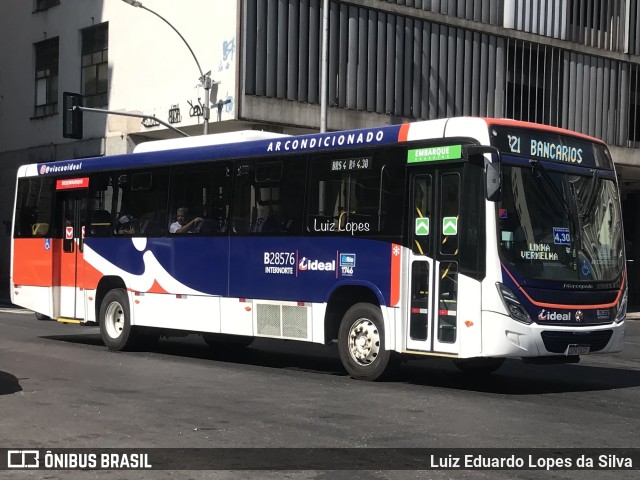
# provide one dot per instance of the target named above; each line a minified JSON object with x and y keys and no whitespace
{"x":515,"y":309}
{"x":622,"y":307}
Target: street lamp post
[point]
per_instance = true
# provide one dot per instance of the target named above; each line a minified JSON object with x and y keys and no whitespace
{"x":205,"y":78}
{"x":325,"y":66}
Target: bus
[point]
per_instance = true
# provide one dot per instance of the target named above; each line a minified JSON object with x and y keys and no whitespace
{"x":473,"y":239}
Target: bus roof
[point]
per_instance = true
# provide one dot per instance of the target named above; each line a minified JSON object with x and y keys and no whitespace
{"x":508,"y":122}
{"x":205,"y":140}
{"x":256,"y":143}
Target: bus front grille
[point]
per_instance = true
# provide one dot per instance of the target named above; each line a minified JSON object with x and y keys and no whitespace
{"x":557,"y":342}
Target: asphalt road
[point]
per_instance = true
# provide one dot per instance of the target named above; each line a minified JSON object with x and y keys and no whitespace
{"x":60,"y":388}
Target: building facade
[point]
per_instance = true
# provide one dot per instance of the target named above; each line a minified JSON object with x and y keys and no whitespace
{"x":568,"y":63}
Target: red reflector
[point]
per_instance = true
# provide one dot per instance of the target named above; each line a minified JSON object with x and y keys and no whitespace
{"x":415,"y":310}
{"x":443,"y":312}
{"x":301,"y":304}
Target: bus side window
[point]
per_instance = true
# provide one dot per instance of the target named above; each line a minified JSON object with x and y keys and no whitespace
{"x":422,"y":214}
{"x":449,"y":213}
{"x":101,"y":197}
{"x":142,"y":199}
{"x":205,"y":190}
{"x":355,"y":196}
{"x":269,"y":197}
{"x":34,"y":207}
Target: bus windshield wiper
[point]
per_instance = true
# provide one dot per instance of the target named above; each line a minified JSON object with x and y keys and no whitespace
{"x":576,"y":220}
{"x":541,"y":171}
{"x":591,"y":195}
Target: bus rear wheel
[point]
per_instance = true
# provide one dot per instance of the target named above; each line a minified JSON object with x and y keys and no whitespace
{"x":361,"y":343}
{"x":478,"y":366}
{"x":115,"y":322}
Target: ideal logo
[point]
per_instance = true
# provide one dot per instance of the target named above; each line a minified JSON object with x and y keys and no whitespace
{"x":545,"y":316}
{"x":306,"y":264}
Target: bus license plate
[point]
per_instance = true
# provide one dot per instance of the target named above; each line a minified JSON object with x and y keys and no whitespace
{"x":578,"y":350}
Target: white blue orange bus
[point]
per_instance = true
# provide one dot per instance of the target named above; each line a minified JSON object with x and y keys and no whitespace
{"x":469,"y":238}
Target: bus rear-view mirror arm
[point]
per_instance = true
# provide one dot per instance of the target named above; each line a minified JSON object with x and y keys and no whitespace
{"x":492,"y":168}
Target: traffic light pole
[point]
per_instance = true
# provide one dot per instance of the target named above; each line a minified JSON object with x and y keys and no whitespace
{"x":126,"y":114}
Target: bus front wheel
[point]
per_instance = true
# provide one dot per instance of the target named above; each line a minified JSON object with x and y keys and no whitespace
{"x":115,"y":321}
{"x":361,"y":342}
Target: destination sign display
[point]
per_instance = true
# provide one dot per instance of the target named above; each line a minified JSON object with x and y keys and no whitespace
{"x":72,"y":183}
{"x":550,"y":146}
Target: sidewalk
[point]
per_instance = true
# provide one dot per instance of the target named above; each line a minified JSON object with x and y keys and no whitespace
{"x":634,"y":314}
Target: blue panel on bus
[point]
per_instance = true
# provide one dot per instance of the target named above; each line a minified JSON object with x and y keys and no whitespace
{"x":307,"y":269}
{"x":199,"y":263}
{"x":277,"y":268}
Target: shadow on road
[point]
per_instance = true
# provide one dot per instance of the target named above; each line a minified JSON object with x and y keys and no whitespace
{"x":513,"y":378}
{"x":9,"y":384}
{"x":516,"y":378}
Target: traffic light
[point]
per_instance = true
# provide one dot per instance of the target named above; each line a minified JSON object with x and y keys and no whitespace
{"x":71,"y":116}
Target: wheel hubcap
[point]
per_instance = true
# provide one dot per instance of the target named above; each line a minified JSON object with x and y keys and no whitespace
{"x":114,"y":319}
{"x":364,"y":341}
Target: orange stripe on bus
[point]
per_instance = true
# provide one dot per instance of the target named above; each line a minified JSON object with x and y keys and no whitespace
{"x":394,"y":297}
{"x":404,"y":132}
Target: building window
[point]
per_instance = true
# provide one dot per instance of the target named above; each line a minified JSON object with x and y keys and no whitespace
{"x":534,"y":74}
{"x":40,"y":5}
{"x":634,"y":107}
{"x":46,"y":80}
{"x":95,"y":66}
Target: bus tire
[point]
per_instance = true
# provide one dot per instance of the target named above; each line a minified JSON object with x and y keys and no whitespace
{"x":478,"y":366}
{"x":361,"y":343}
{"x":115,"y":321}
{"x":220,"y":340}
{"x":41,"y":316}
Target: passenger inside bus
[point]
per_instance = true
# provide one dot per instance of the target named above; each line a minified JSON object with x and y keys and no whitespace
{"x":181,"y":225}
{"x":126,"y":226}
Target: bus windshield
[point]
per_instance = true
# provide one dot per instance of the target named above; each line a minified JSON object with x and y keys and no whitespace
{"x":560,"y":226}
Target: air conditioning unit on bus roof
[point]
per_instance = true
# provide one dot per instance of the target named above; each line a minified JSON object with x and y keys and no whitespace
{"x":205,"y":140}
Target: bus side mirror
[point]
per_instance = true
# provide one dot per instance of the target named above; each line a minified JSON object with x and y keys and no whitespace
{"x":492,"y":169}
{"x":493,"y":181}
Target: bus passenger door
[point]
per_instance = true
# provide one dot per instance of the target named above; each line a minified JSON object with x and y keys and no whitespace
{"x":68,"y":267}
{"x":433,"y":263}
